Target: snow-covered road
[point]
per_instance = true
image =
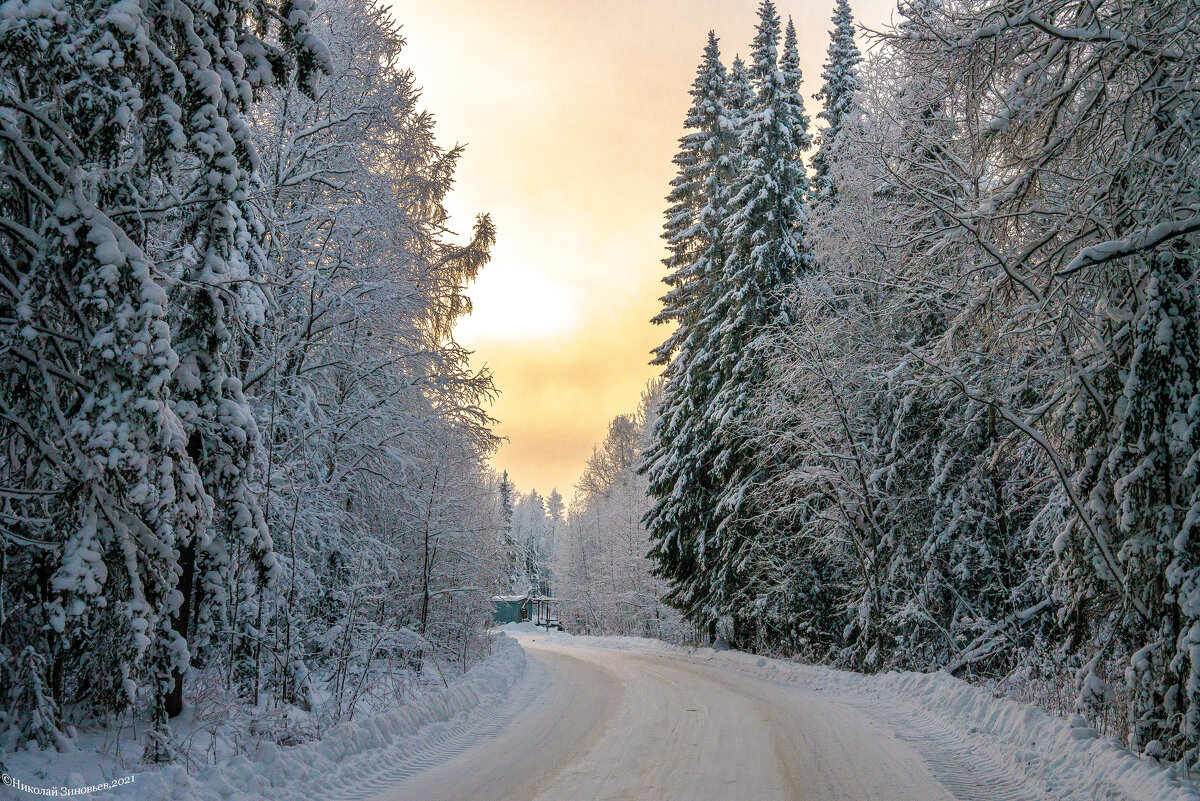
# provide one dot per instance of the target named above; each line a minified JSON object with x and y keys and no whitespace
{"x":565,"y":718}
{"x":619,"y":725}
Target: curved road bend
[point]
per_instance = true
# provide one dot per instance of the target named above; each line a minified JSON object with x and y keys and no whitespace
{"x":617,"y":725}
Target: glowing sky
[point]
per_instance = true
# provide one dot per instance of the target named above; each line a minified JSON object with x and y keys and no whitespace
{"x":571,"y":111}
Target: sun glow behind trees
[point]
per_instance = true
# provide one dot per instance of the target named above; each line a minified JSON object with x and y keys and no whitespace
{"x":571,"y":111}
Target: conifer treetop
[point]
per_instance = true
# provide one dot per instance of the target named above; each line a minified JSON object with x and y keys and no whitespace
{"x":840,"y":74}
{"x":693,"y":191}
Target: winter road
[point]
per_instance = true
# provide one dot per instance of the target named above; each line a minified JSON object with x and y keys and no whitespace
{"x":618,"y":725}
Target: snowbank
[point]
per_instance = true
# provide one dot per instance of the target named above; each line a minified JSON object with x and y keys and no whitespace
{"x":1062,"y":754}
{"x":1062,"y":758}
{"x":348,"y":757}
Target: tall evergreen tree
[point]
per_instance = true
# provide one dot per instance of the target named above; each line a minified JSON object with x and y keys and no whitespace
{"x":679,"y":478}
{"x":687,"y":232}
{"x":765,"y":240}
{"x":739,"y":100}
{"x":837,"y":94}
{"x":512,"y":557}
{"x":135,"y":120}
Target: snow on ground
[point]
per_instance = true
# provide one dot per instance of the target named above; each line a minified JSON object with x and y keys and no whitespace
{"x":980,"y":746}
{"x":354,"y":760}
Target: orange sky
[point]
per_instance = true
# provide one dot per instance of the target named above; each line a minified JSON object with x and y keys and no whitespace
{"x":571,"y":111}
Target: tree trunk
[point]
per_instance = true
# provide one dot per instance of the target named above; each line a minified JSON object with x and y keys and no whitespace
{"x":183,"y":616}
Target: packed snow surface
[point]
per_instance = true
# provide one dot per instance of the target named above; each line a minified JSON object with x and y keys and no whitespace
{"x":627,"y":718}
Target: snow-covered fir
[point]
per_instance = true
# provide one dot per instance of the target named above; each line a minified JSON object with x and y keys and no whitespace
{"x":700,"y":461}
{"x":837,"y":95}
{"x":677,"y":462}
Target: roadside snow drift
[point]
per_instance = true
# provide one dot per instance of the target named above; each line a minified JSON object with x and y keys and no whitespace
{"x":354,"y":759}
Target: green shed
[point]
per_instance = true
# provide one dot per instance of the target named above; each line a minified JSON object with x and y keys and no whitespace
{"x":510,"y":609}
{"x":539,"y":609}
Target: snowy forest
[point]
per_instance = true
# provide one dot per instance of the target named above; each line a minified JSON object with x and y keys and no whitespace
{"x":591,"y":554}
{"x":244,"y":469}
{"x":930,"y":394}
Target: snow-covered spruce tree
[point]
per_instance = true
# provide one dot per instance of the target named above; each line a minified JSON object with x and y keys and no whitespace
{"x":707,"y":141}
{"x":766,"y":245}
{"x":680,"y":478}
{"x":739,"y":98}
{"x":103,"y":139}
{"x":840,"y":74}
{"x":507,"y":496}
